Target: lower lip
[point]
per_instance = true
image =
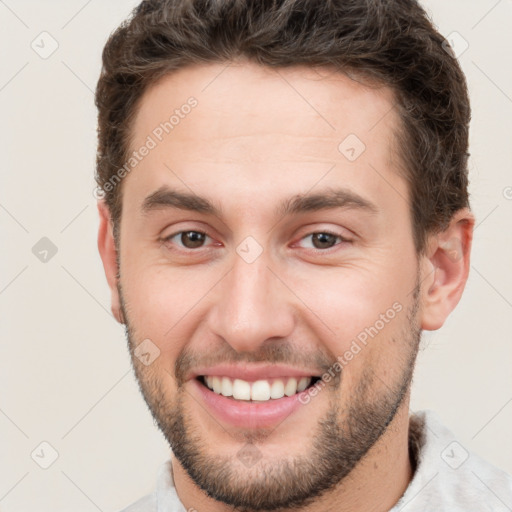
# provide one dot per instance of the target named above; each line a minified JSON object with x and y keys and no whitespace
{"x":250,"y":415}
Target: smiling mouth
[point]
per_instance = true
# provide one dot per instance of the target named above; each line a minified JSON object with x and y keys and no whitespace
{"x":263,"y":390}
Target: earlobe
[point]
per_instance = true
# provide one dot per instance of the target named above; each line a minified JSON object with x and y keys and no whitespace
{"x":445,"y":269}
{"x":108,"y":253}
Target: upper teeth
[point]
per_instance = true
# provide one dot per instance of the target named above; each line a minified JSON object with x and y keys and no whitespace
{"x":260,"y":390}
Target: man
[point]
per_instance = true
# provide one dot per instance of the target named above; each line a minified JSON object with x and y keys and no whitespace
{"x":283,"y":210}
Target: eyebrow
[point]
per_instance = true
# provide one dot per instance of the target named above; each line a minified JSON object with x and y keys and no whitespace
{"x":166,"y":197}
{"x":326,"y":200}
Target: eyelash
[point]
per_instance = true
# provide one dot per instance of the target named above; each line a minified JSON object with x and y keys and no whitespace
{"x":340,"y":238}
{"x":168,"y":239}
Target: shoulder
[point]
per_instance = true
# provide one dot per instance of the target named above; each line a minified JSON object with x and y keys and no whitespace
{"x":449,"y":476}
{"x":146,"y":504}
{"x":163,"y":499}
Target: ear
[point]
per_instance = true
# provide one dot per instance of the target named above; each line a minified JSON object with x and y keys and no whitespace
{"x":445,"y":270}
{"x":108,"y":253}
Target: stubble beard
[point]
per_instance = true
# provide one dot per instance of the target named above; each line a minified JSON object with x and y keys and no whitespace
{"x":340,"y":440}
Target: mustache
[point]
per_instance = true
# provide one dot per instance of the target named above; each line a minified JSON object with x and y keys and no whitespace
{"x":271,"y":353}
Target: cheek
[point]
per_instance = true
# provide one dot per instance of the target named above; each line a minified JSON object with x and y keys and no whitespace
{"x":348,"y":300}
{"x":360,"y":313}
{"x":161,"y":303}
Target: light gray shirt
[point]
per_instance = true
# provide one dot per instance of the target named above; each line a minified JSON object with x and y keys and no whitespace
{"x":448,"y":477}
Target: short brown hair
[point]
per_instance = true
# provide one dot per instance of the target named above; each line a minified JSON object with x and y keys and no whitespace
{"x":391,"y":42}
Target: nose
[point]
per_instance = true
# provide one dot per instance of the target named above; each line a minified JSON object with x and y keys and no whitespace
{"x":252,"y":305}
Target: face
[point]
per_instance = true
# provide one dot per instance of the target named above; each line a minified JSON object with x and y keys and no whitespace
{"x":266,"y":251}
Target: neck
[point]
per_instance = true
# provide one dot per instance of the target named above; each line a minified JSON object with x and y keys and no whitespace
{"x":374,"y":485}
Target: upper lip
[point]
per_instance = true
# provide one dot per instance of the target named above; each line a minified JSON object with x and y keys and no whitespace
{"x":252,"y":372}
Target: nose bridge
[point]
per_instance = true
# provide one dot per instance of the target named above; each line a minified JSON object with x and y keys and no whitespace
{"x":252,"y":306}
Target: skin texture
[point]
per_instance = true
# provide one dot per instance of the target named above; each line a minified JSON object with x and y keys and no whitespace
{"x":257,"y":138}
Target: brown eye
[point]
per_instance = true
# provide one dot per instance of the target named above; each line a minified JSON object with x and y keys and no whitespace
{"x":321,"y":240}
{"x":187,"y":239}
{"x":192,"y":239}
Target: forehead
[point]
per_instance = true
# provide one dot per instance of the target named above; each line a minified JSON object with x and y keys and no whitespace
{"x":252,"y":126}
{"x":245,"y":95}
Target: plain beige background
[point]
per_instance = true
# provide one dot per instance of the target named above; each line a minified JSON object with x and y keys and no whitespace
{"x":65,"y":376}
